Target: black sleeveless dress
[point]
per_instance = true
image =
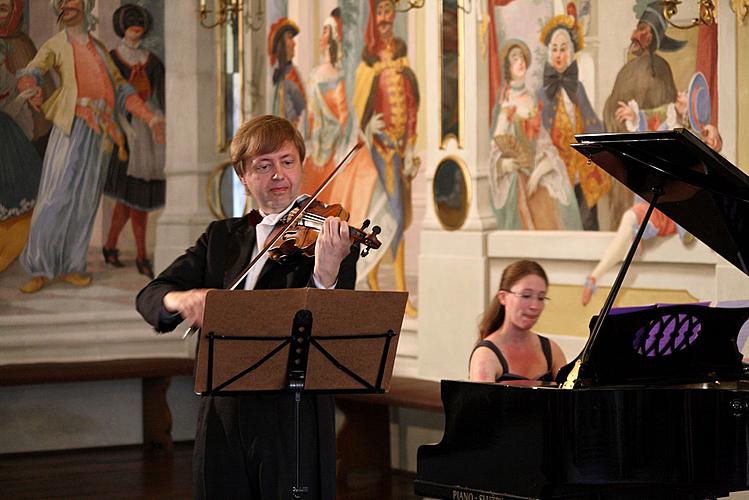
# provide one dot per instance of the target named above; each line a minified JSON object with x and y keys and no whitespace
{"x":506,"y":374}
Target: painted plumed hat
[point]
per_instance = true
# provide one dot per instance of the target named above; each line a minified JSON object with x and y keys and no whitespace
{"x":275,"y":35}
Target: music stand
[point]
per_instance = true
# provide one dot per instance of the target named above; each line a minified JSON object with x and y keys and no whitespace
{"x":294,"y":340}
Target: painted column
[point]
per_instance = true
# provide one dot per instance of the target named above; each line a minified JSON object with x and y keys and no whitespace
{"x":453,"y":266}
{"x":191,"y":150}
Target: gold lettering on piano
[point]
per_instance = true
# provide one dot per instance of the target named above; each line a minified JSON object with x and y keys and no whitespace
{"x":466,"y":495}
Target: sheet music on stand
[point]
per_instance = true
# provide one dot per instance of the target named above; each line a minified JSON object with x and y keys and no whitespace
{"x":298,"y":340}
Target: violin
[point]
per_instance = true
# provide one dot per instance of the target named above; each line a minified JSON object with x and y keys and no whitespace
{"x":301,"y":237}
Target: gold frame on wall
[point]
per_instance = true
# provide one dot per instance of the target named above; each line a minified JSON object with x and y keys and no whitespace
{"x":222,"y":141}
{"x":447,"y":218}
{"x":444,"y":138}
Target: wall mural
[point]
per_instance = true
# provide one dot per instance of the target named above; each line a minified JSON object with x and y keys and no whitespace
{"x":382,"y":110}
{"x":138,"y":183}
{"x":542,"y":92}
{"x":24,"y":131}
{"x":539,"y":103}
{"x":93,"y":130}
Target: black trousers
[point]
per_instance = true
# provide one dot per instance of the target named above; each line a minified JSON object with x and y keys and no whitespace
{"x":245,"y":448}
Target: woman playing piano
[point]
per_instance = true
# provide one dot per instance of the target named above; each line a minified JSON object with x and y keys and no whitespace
{"x":508,"y":349}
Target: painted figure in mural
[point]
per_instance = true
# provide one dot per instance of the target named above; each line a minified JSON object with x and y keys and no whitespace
{"x":137,"y":184}
{"x":386,"y":100}
{"x":289,"y":98}
{"x":332,"y":132}
{"x":645,"y":97}
{"x":529,"y":184}
{"x":567,"y":112}
{"x":84,"y":111}
{"x":19,"y":50}
{"x":244,"y":445}
{"x":20,"y":166}
{"x":20,"y":126}
{"x":328,"y":125}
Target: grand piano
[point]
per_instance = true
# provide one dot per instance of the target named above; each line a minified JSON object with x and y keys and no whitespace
{"x":657,"y":403}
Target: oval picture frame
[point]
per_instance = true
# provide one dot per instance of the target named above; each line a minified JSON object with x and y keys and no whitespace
{"x":451,"y":192}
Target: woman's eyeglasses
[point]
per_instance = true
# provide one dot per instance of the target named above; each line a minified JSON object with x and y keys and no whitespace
{"x":527,"y":296}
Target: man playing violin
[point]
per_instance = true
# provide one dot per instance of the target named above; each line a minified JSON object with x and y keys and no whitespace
{"x":244,"y":445}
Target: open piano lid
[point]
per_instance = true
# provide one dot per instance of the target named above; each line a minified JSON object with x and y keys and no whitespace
{"x":702,"y":191}
{"x":709,"y":197}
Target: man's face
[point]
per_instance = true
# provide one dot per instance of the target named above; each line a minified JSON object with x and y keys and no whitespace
{"x":560,"y":50}
{"x":72,"y":12}
{"x":641,"y":39}
{"x":288,"y":39}
{"x":385,"y":15}
{"x":274,"y":179}
{"x":6,"y":7}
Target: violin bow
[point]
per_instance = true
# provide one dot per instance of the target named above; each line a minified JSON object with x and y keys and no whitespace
{"x":307,"y":202}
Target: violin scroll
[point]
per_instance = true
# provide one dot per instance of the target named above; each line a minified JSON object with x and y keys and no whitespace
{"x":370,"y":241}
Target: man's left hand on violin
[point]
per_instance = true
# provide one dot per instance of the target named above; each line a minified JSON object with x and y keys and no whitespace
{"x":333,"y":245}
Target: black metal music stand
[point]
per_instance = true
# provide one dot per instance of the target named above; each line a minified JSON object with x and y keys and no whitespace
{"x":298,"y":340}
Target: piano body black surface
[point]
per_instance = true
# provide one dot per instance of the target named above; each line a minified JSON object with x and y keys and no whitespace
{"x":661,"y":405}
{"x":511,"y":441}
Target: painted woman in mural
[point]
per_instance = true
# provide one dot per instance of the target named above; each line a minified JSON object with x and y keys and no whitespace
{"x":328,"y":123}
{"x":386,"y":100}
{"x":567,"y":112}
{"x":138,"y":183}
{"x":289,"y":98}
{"x":332,"y":132}
{"x":20,"y":165}
{"x":84,"y":111}
{"x":529,"y":184}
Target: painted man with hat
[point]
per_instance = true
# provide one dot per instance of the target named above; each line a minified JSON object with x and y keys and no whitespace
{"x":644,"y":97}
{"x":386,"y":101}
{"x":647,"y":78}
{"x":289,"y":98}
{"x":567,"y":112}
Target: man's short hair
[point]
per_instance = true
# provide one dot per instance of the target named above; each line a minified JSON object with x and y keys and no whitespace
{"x":262,"y":135}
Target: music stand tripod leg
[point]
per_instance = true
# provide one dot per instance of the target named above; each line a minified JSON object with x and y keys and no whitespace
{"x":296,"y":372}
